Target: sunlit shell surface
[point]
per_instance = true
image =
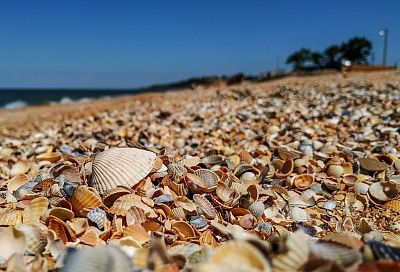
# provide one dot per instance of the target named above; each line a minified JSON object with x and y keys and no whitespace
{"x":120,"y":166}
{"x":37,"y":208}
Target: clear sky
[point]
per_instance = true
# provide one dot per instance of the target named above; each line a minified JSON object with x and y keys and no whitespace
{"x":124,"y":44}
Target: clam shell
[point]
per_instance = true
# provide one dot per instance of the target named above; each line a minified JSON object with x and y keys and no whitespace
{"x":205,"y":205}
{"x":107,"y":258}
{"x":209,"y":176}
{"x":35,"y":237}
{"x":372,"y":164}
{"x":51,"y":157}
{"x":257,"y":209}
{"x":183,"y":229}
{"x":83,"y":198}
{"x":383,"y":191}
{"x":243,"y":168}
{"x":285,"y":169}
{"x":224,"y":192}
{"x":138,"y":233}
{"x":124,"y":203}
{"x":20,"y":168}
{"x":135,"y":215}
{"x":187,"y":204}
{"x":303,"y":182}
{"x":176,"y":171}
{"x":331,"y":184}
{"x":16,"y":182}
{"x":120,"y":166}
{"x":350,"y":179}
{"x":111,"y":195}
{"x":62,"y":213}
{"x":207,"y":238}
{"x":37,"y":208}
{"x":212,"y":160}
{"x":335,"y":170}
{"x":239,"y":254}
{"x":361,"y":188}
{"x":97,"y":216}
{"x":90,"y":237}
{"x":299,"y":215}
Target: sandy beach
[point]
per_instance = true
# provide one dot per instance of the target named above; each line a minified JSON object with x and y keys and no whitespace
{"x":292,"y":174}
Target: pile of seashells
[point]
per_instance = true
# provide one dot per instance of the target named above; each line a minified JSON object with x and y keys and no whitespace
{"x":304,"y":177}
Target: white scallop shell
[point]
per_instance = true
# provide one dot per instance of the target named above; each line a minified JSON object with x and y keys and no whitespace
{"x":120,"y":166}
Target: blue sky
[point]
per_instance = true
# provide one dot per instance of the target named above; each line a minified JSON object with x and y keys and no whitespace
{"x":124,"y":44}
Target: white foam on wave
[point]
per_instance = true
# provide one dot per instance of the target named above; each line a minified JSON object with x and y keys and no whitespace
{"x":65,"y":100}
{"x":15,"y":104}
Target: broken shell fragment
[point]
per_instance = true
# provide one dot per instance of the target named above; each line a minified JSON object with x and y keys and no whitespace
{"x":303,"y":182}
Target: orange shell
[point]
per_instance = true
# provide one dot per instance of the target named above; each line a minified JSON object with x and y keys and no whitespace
{"x":344,"y":240}
{"x":11,"y":217}
{"x":393,"y":205}
{"x":183,"y":229}
{"x":124,"y":203}
{"x":89,"y":238}
{"x":37,"y":208}
{"x":83,"y":198}
{"x":138,"y":233}
{"x":111,"y":195}
{"x":62,"y":213}
{"x":207,"y":238}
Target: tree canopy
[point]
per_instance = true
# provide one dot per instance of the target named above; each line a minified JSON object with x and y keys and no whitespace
{"x":356,"y":50}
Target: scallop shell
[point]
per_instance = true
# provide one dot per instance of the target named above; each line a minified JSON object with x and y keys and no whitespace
{"x":176,"y":171}
{"x":90,"y":237}
{"x":178,"y":213}
{"x":235,"y":254}
{"x":120,"y":166}
{"x":181,"y":189}
{"x":16,"y":182}
{"x":393,"y":205}
{"x":37,"y":208}
{"x":111,"y":195}
{"x":205,"y":205}
{"x":372,"y":164}
{"x":20,"y":168}
{"x":296,"y":256}
{"x":343,"y":239}
{"x":209,"y":176}
{"x":297,"y":201}
{"x":212,"y":160}
{"x":257,"y":209}
{"x":135,"y":215}
{"x":303,"y":182}
{"x":183,"y":229}
{"x":138,"y":233}
{"x":341,"y":256}
{"x":383,"y":191}
{"x":97,"y":216}
{"x":83,"y":198}
{"x":107,"y":258}
{"x":35,"y":237}
{"x":197,"y":184}
{"x":224,"y":192}
{"x":62,"y":213}
{"x":124,"y":203}
{"x":51,"y":157}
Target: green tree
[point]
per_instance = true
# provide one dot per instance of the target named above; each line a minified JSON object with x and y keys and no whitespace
{"x":332,"y":56}
{"x":299,"y":58}
{"x":357,"y":50}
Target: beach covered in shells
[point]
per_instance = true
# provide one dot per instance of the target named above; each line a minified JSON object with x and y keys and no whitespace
{"x":297,"y":174}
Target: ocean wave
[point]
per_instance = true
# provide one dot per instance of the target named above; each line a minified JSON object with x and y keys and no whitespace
{"x":15,"y":104}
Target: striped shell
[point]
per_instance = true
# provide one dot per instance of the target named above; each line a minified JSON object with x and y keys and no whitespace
{"x":257,"y":209}
{"x":205,"y":206}
{"x":37,"y":208}
{"x":97,"y":216}
{"x":302,"y":182}
{"x":209,"y":176}
{"x":138,"y":233}
{"x":84,"y":198}
{"x":120,"y":166}
{"x":35,"y":237}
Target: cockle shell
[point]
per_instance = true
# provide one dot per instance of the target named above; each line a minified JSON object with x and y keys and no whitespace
{"x":97,"y":216}
{"x":350,"y":179}
{"x":111,"y":195}
{"x":124,"y":203}
{"x":209,"y":176}
{"x":205,"y":206}
{"x":341,"y":256}
{"x":135,"y":215}
{"x":331,"y":183}
{"x":257,"y":208}
{"x":199,"y":222}
{"x":37,"y":208}
{"x":35,"y":237}
{"x":299,"y":215}
{"x":138,"y":233}
{"x":302,"y":182}
{"x":83,"y":198}
{"x":183,"y":229}
{"x":197,"y":184}
{"x":283,"y":169}
{"x":120,"y":166}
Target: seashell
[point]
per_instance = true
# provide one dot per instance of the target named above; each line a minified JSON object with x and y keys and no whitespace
{"x":199,"y":222}
{"x":330,"y":205}
{"x":243,"y":168}
{"x":124,"y":203}
{"x":349,"y":179}
{"x":296,"y":201}
{"x":185,"y":203}
{"x":284,"y":170}
{"x":35,"y":237}
{"x":361,"y":188}
{"x":181,"y":189}
{"x":20,"y":168}
{"x":109,"y":258}
{"x":210,"y":177}
{"x":247,"y":177}
{"x":393,"y":205}
{"x":78,"y":225}
{"x":11,"y":218}
{"x":135,"y":215}
{"x":37,"y":208}
{"x":335,"y":170}
{"x":384,"y":252}
{"x":347,"y":168}
{"x":303,"y":182}
{"x":372,"y":164}
{"x":97,"y":216}
{"x":343,"y":239}
{"x":196,"y":184}
{"x":236,"y":256}
{"x":207,"y":238}
{"x":111,"y":195}
{"x":12,"y":241}
{"x":232,"y":161}
{"x":90,"y":237}
{"x":176,"y":171}
{"x":206,"y":207}
{"x":212,"y":160}
{"x":183,"y":229}
{"x":62,"y":213}
{"x":286,"y":154}
{"x":299,"y":215}
{"x":341,"y":256}
{"x":138,"y":233}
{"x":178,"y":213}
{"x":267,"y":173}
{"x":296,"y":256}
{"x":16,"y":182}
{"x":331,"y":183}
{"x":120,"y":166}
{"x":164,"y":198}
{"x":51,"y":156}
{"x":257,"y":209}
{"x":364,"y":226}
{"x":83,"y":198}
{"x":224,"y":192}
{"x":383,"y":191}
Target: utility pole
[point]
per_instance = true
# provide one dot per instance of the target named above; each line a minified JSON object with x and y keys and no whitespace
{"x":385,"y":34}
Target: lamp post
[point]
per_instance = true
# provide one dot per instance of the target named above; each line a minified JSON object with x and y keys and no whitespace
{"x":385,"y":34}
